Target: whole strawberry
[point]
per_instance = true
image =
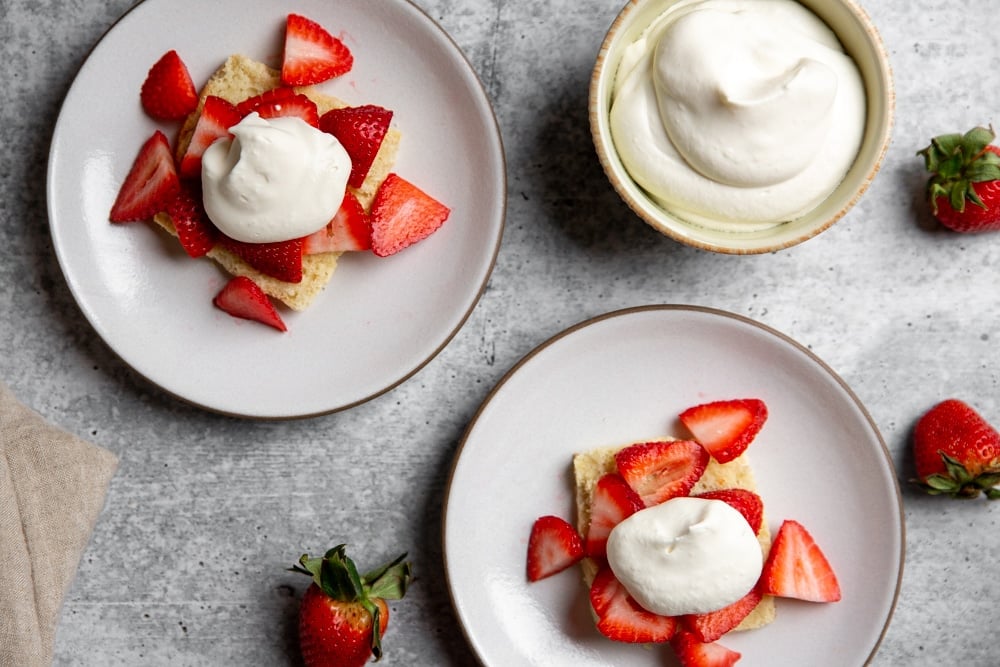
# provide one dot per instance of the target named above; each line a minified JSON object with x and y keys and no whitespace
{"x":343,"y":614}
{"x":964,"y":187}
{"x":956,"y":452}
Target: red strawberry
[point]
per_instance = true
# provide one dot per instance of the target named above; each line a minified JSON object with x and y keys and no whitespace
{"x":312,"y":54}
{"x":957,"y":452}
{"x":746,"y":502}
{"x":360,"y":130}
{"x":241,"y":297}
{"x":693,"y":653}
{"x":661,"y":470}
{"x":797,"y":568}
{"x":216,"y":117}
{"x":553,"y":546}
{"x":965,"y":170}
{"x":350,"y":229}
{"x":725,"y":428}
{"x":612,"y":502}
{"x":343,"y":615}
{"x":621,"y":618}
{"x":150,"y":184}
{"x":279,"y":102}
{"x":168,"y":93}
{"x":280,"y":259}
{"x":712,"y":625}
{"x":194,"y":230}
{"x":402,"y":214}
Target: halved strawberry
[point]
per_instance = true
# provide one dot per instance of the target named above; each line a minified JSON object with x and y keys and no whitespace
{"x":216,"y":117}
{"x":403,"y":214}
{"x":726,"y":428}
{"x":268,"y":97}
{"x":360,"y":131}
{"x":797,"y":568}
{"x":746,"y":502}
{"x":612,"y":502}
{"x":194,"y":230}
{"x":553,"y":546}
{"x":712,"y":625}
{"x":280,"y":259}
{"x":621,"y":618}
{"x":276,"y":105}
{"x":663,"y":469}
{"x":350,"y":229}
{"x":242,"y":297}
{"x":168,"y":93}
{"x":150,"y":184}
{"x":693,"y":653}
{"x":311,"y":53}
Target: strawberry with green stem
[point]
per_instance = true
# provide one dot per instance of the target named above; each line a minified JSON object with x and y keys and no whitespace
{"x":964,"y":187}
{"x":343,"y":614}
{"x":956,"y":452}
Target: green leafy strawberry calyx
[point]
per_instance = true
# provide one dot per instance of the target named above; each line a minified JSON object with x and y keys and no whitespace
{"x":956,"y":161}
{"x":959,"y":482}
{"x":337,"y":576}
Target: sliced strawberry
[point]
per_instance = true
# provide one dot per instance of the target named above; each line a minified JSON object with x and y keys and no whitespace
{"x":621,"y":618}
{"x":281,"y":259}
{"x":267,"y":98}
{"x":168,"y":93}
{"x":712,"y":625}
{"x":275,"y":106}
{"x":661,"y":470}
{"x":217,"y":116}
{"x":612,"y":502}
{"x":553,"y":546}
{"x":349,"y":230}
{"x":242,"y":297}
{"x":402,"y":214}
{"x":194,"y":230}
{"x":150,"y":184}
{"x":360,"y":130}
{"x":693,"y":653}
{"x":311,"y":53}
{"x":797,"y":568}
{"x":746,"y":502}
{"x":725,"y":428}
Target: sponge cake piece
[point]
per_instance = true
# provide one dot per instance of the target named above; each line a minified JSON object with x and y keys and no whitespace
{"x":590,"y":466}
{"x":237,"y":79}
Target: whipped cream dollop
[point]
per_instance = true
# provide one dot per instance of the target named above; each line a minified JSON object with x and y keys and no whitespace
{"x":737,"y":114}
{"x":276,"y":179}
{"x":685,"y":556}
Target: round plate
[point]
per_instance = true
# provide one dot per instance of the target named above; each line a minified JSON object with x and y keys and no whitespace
{"x":624,"y":377}
{"x":379,"y":320}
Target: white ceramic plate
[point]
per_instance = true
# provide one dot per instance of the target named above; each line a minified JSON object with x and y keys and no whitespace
{"x":623,"y":377}
{"x":379,"y":320}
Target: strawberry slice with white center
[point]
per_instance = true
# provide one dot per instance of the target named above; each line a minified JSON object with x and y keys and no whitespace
{"x":150,"y":184}
{"x":280,"y":259}
{"x":194,"y":230}
{"x":797,"y":568}
{"x":312,"y":54}
{"x":349,"y":230}
{"x":403,"y":214}
{"x":279,"y":102}
{"x":693,"y":653}
{"x":360,"y":130}
{"x":662,"y":469}
{"x":621,"y":618}
{"x":726,"y":428}
{"x":241,"y":297}
{"x":710,"y":626}
{"x":217,"y":116}
{"x":168,"y":93}
{"x":612,"y":502}
{"x":553,"y":546}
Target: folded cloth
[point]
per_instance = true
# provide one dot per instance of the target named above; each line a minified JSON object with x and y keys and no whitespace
{"x":52,"y":488}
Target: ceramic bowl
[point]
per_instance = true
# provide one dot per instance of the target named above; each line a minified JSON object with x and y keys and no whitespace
{"x":860,"y":40}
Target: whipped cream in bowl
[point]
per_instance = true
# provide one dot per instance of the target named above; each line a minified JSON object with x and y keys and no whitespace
{"x":741,"y":126}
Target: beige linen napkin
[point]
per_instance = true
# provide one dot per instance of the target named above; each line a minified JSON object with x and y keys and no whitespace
{"x":52,"y":488}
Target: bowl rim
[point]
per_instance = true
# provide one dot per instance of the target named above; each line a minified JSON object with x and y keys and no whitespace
{"x":877,"y":76}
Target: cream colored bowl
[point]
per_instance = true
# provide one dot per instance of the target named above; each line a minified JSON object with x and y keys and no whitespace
{"x":862,"y":42}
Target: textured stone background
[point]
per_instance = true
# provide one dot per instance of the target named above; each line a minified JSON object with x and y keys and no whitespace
{"x":186,"y":565}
